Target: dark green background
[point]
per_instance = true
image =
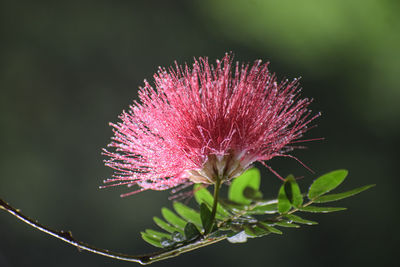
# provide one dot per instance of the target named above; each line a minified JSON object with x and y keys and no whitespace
{"x":67,"y":69}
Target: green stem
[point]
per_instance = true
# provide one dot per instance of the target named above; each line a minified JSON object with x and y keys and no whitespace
{"x":217,"y":186}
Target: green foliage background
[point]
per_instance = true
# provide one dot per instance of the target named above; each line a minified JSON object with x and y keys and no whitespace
{"x":68,"y":68}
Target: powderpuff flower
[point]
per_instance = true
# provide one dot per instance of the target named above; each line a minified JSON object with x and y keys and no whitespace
{"x":204,"y":124}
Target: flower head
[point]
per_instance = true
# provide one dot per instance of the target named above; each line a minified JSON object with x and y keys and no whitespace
{"x":205,"y":123}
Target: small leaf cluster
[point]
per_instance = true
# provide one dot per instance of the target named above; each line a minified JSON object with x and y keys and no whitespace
{"x":244,"y":214}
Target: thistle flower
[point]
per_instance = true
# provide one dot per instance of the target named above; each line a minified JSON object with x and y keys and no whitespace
{"x":206,"y":124}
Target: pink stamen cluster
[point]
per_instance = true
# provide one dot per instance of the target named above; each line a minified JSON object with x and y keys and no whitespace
{"x":205,"y":123}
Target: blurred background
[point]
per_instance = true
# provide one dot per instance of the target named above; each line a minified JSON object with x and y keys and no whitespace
{"x":67,"y":69}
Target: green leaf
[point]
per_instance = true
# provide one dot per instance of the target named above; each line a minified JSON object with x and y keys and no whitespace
{"x":219,"y":233}
{"x":165,"y":226}
{"x":269,"y":228}
{"x":156,"y":234}
{"x":297,"y":219}
{"x":250,"y":231}
{"x":235,"y":227}
{"x":294,"y":196}
{"x":165,"y":242}
{"x":205,"y":215}
{"x":260,"y":230}
{"x":283,"y":201}
{"x":151,"y":240}
{"x":202,"y":195}
{"x":321,"y":209}
{"x":286,"y":224}
{"x":191,"y":231}
{"x":264,"y":209}
{"x":250,"y":178}
{"x":252,"y":194}
{"x":326,"y":183}
{"x":173,"y":219}
{"x":187,"y":213}
{"x":240,"y":220}
{"x":177,"y":237}
{"x":334,"y":197}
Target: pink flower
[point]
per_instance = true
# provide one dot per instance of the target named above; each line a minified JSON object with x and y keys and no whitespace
{"x":205,"y":123}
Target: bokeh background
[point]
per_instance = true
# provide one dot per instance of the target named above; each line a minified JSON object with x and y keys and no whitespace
{"x":68,"y":68}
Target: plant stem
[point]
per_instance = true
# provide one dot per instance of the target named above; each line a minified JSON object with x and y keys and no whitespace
{"x":142,"y":259}
{"x":217,"y":186}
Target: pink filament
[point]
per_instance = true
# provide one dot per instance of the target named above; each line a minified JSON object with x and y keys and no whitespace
{"x":193,"y":112}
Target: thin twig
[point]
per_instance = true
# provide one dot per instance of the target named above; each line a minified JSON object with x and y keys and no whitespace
{"x":66,"y":236}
